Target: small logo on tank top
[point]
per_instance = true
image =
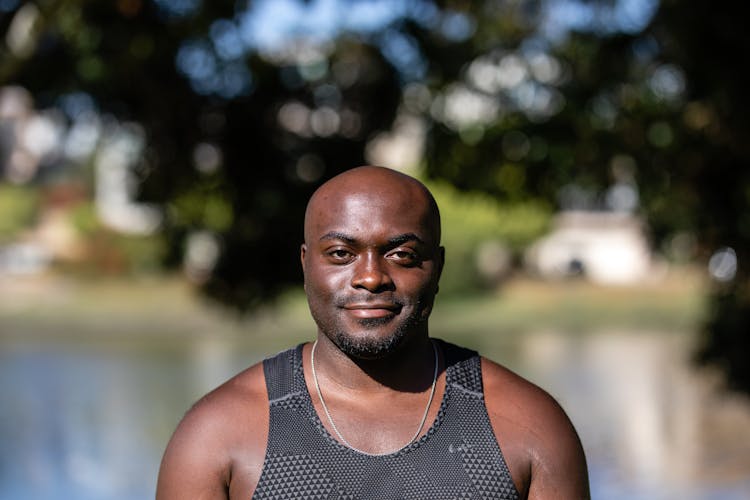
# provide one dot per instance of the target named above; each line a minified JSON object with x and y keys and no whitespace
{"x":459,"y":448}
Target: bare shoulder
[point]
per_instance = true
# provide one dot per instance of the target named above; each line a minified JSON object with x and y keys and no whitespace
{"x":218,"y":448}
{"x":538,"y":440}
{"x":514,"y":399}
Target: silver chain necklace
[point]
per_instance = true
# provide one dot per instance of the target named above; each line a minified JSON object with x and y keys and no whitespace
{"x":333,"y":425}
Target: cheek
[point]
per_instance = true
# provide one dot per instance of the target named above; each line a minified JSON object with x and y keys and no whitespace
{"x":318,"y":303}
{"x":425,"y":284}
{"x":321,"y":287}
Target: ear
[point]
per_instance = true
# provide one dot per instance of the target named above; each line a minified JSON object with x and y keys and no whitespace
{"x":440,"y":263}
{"x":302,"y":252}
{"x":441,"y":253}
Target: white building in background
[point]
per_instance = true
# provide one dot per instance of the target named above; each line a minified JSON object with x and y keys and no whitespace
{"x":116,"y":184}
{"x":605,"y":247}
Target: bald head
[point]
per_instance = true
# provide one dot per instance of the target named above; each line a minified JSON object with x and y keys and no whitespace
{"x":379,"y":190}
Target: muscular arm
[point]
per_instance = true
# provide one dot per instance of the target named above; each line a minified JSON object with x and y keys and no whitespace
{"x":538,"y":441}
{"x":193,"y":466}
{"x":558,"y":468}
{"x":217,"y":450}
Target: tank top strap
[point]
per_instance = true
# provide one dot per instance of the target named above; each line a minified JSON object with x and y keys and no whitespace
{"x":463,"y":368}
{"x":281,"y":374}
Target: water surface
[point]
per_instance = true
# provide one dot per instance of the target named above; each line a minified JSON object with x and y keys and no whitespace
{"x":89,"y":420}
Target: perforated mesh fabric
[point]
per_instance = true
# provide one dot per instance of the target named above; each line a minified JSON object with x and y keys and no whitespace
{"x":458,"y":457}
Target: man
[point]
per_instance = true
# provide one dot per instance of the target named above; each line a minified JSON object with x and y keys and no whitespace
{"x":374,"y":408}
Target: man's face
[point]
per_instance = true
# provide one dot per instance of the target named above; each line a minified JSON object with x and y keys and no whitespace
{"x":372,"y":263}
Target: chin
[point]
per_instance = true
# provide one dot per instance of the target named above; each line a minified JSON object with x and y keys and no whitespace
{"x":368,"y":345}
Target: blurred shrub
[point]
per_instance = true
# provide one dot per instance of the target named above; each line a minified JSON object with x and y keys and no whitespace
{"x":109,"y":252}
{"x":483,"y":237}
{"x":204,"y":207}
{"x":84,"y":219}
{"x":18,"y":209}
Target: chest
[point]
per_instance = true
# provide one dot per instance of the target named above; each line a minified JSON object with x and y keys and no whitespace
{"x":457,"y":458}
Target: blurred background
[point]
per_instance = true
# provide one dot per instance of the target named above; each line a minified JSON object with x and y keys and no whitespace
{"x":590,"y":159}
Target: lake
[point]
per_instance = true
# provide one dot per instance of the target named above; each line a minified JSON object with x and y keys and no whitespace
{"x":86,"y":416}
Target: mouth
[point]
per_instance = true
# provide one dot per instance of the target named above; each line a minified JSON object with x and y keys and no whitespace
{"x":373,"y":310}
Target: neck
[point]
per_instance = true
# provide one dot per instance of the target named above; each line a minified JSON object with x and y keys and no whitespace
{"x":409,"y":368}
{"x":380,"y":445}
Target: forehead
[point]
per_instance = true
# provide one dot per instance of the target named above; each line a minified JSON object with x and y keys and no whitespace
{"x":371,"y":212}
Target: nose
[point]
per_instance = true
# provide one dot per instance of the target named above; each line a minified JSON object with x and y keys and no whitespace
{"x":371,"y":273}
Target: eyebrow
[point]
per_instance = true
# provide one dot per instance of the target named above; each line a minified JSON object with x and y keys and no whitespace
{"x":394,"y":241}
{"x":335,"y":235}
{"x":403,"y":238}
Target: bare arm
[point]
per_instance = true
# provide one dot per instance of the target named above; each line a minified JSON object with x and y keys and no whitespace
{"x":218,"y":448}
{"x":538,"y":441}
{"x":558,"y":467}
{"x":192,"y":466}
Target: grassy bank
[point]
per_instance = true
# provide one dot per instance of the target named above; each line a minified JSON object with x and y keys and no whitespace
{"x":674,"y":303}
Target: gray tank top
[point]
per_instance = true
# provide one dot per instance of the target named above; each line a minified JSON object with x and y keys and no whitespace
{"x":458,"y":457}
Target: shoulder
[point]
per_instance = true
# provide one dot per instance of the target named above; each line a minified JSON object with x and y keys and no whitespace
{"x":220,"y":440}
{"x":538,"y":440}
{"x":515,"y":399}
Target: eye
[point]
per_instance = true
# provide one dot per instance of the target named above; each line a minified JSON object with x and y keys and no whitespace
{"x":339,"y":255}
{"x":404,"y":257}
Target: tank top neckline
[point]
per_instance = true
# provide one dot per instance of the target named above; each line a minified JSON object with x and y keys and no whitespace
{"x":420,"y":441}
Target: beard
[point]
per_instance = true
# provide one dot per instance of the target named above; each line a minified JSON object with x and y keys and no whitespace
{"x":367,"y":344}
{"x":372,"y":347}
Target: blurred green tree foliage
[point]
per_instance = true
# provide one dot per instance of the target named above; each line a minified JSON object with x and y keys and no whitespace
{"x":109,"y":252}
{"x":661,"y":107}
{"x":627,"y":105}
{"x":236,"y":141}
{"x":19,"y":206}
{"x":483,"y":238}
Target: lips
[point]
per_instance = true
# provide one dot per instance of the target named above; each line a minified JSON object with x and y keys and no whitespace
{"x":373,"y":309}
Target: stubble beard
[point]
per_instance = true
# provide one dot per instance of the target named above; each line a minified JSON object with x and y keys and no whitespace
{"x":371,"y":347}
{"x":363,"y":345}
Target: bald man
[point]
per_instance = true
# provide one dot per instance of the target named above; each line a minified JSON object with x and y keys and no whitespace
{"x":374,"y":407}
